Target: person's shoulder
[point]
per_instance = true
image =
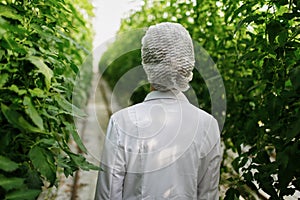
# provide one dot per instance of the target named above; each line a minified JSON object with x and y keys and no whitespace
{"x":206,"y":119}
{"x":202,"y":113}
{"x":125,"y":111}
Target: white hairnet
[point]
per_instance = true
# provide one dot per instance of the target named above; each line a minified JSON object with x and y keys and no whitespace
{"x":168,"y":56}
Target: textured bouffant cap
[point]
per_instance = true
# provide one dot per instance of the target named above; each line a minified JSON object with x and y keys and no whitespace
{"x":168,"y":56}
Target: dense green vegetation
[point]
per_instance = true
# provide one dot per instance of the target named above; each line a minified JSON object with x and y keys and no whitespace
{"x":43,"y":44}
{"x":255,"y":45}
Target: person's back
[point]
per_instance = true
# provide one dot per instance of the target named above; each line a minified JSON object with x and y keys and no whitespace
{"x":162,"y":148}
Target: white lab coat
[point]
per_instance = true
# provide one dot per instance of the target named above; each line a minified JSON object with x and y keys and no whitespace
{"x":162,"y":148}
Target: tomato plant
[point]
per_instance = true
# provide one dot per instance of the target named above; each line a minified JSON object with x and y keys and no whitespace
{"x":42,"y":46}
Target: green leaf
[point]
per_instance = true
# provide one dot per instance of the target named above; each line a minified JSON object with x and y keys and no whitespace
{"x":77,"y":159}
{"x":235,"y":163}
{"x":17,"y":120}
{"x":42,"y":68}
{"x":3,"y":30}
{"x":76,"y":137}
{"x":42,"y":159}
{"x":232,"y":194}
{"x":33,"y":179}
{"x":11,"y":183}
{"x":2,"y":53}
{"x":283,"y":36}
{"x":262,"y":157}
{"x":294,"y":129}
{"x":48,"y":142}
{"x":8,"y":12}
{"x":15,"y":89}
{"x":273,"y":28}
{"x":81,"y":162}
{"x":32,"y":112}
{"x":64,"y":162}
{"x":74,"y":67}
{"x":23,"y":194}
{"x":10,"y":43}
{"x":37,"y":92}
{"x":246,"y":6}
{"x":70,"y":108}
{"x":246,"y":20}
{"x":266,"y":185}
{"x":7,"y":165}
{"x":3,"y":79}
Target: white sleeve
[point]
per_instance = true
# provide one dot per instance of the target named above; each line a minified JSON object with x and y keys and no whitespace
{"x":111,"y":175}
{"x":208,"y":181}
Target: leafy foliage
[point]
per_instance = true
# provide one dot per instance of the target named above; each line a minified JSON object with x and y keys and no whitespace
{"x":43,"y":44}
{"x":255,"y":45}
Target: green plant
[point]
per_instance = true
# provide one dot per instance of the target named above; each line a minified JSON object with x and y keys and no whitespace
{"x":255,"y":45}
{"x":42,"y":47}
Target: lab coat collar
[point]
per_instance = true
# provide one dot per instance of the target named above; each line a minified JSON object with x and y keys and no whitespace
{"x":166,"y":95}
